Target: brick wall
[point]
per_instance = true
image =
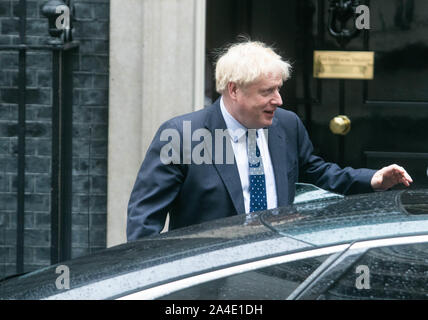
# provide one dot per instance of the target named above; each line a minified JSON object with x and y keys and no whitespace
{"x":90,"y":127}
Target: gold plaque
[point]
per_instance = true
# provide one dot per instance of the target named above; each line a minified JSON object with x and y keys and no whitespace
{"x":344,"y":64}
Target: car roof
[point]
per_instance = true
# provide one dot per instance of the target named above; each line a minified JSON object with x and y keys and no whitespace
{"x":291,"y":229}
{"x":358,"y":217}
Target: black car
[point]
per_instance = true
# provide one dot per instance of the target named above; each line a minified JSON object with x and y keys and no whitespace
{"x":370,"y":246}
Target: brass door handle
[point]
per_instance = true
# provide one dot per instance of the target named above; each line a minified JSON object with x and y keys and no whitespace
{"x":340,"y":125}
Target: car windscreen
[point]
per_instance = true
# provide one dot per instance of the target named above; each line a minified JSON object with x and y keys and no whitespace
{"x":353,"y":218}
{"x":306,"y":192}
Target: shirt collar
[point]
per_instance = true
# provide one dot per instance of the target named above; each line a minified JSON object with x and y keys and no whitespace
{"x":236,"y":129}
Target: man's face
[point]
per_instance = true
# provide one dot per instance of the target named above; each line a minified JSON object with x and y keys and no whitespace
{"x":256,"y":103}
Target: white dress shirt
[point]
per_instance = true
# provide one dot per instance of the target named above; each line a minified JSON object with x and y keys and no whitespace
{"x":237,"y":131}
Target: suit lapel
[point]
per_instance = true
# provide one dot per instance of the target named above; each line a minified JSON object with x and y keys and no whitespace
{"x":277,"y":143}
{"x":228,"y":172}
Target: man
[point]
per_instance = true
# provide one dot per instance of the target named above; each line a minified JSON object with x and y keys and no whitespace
{"x":269,"y":146}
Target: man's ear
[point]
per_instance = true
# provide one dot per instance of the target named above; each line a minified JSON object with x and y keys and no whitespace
{"x":232,"y":89}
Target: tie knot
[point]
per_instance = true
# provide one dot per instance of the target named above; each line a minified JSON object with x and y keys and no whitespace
{"x":254,"y":157}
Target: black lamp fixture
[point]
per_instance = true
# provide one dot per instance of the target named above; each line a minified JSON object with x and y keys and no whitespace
{"x":60,"y":28}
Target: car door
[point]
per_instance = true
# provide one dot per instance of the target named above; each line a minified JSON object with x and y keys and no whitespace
{"x":269,"y":277}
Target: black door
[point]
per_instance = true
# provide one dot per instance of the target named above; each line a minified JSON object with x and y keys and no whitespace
{"x":389,"y":114}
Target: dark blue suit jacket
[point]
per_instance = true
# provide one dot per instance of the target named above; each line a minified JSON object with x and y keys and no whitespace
{"x":194,"y":193}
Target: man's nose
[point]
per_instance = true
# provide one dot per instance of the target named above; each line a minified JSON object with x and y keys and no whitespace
{"x":277,"y":100}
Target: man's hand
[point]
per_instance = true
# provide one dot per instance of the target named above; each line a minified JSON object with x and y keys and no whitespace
{"x":388,"y":177}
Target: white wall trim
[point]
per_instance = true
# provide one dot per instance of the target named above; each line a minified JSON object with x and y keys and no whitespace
{"x":157,"y":51}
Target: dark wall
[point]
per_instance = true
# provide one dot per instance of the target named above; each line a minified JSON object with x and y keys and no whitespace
{"x":90,"y":130}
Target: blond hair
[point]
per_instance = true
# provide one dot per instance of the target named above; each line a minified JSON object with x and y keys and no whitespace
{"x":243,"y":63}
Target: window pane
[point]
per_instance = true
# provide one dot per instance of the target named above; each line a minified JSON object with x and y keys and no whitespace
{"x":396,"y":272}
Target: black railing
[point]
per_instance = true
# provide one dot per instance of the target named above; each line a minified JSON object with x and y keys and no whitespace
{"x":62,"y":48}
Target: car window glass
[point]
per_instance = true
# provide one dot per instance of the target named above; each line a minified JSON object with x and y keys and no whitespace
{"x":273,"y":283}
{"x":395,"y":272}
{"x":308,"y":192}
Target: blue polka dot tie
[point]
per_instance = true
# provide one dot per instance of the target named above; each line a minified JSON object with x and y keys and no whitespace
{"x":257,"y":186}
